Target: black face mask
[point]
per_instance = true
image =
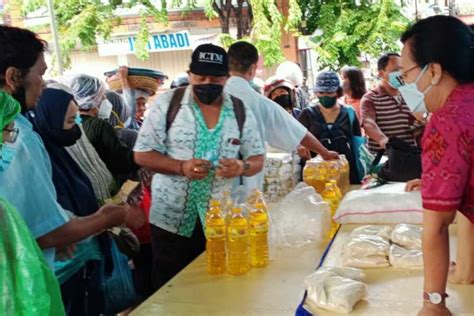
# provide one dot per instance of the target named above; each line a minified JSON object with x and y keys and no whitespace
{"x":67,"y":137}
{"x":208,"y":93}
{"x":284,"y":101}
{"x":20,"y":96}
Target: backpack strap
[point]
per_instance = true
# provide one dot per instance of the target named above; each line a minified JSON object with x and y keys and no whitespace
{"x":239,"y":111}
{"x":317,"y":116}
{"x":174,"y":107}
{"x":351,"y":113}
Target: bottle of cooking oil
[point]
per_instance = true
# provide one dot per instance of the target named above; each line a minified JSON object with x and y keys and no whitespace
{"x":329,"y":195}
{"x":333,"y":171}
{"x":337,"y":190}
{"x":315,"y":174}
{"x":345,"y":174}
{"x":227,"y":205}
{"x":237,"y":243}
{"x":215,"y":239}
{"x":258,"y":235}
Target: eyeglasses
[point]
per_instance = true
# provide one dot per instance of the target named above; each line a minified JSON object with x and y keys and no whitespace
{"x":12,"y":135}
{"x":402,"y":76}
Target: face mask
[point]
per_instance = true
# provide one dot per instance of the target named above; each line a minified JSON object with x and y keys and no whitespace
{"x":67,"y":137}
{"x":414,"y":98}
{"x":7,"y":154}
{"x":78,"y":119}
{"x":327,"y":101}
{"x":208,"y":93}
{"x":105,"y":109}
{"x":284,"y":101}
{"x":393,"y":80}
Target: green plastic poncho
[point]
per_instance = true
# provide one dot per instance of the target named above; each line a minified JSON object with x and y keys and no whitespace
{"x":27,"y":284}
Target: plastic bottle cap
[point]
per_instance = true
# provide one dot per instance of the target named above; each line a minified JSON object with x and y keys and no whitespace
{"x":215,"y":203}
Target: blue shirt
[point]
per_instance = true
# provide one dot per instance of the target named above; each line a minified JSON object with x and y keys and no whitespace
{"x":27,"y":185}
{"x":277,"y":127}
{"x":173,"y":208}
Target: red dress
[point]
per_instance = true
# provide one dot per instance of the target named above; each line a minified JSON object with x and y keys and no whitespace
{"x":448,"y":155}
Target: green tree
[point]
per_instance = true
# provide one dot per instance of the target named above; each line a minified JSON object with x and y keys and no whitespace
{"x":81,"y":22}
{"x":342,"y":30}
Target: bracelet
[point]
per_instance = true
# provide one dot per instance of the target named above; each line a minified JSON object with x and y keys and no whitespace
{"x":181,"y":172}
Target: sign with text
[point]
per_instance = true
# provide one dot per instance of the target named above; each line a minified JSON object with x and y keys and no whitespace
{"x":124,"y":45}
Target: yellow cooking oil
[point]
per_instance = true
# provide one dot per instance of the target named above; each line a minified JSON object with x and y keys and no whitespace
{"x":329,"y":195}
{"x":215,"y":239}
{"x":315,"y":174}
{"x":345,"y":174}
{"x":258,"y":236}
{"x":238,"y":262}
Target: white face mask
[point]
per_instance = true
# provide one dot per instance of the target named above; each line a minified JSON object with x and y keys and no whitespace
{"x":414,"y":98}
{"x":105,"y":109}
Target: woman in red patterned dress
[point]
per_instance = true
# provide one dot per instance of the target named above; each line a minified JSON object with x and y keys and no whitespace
{"x":437,"y":72}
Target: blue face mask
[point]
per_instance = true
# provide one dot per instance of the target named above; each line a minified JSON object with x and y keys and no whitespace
{"x":393,"y":79}
{"x":7,"y":154}
{"x":78,"y":119}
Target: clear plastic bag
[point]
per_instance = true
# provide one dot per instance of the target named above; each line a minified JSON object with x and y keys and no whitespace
{"x":329,"y":289}
{"x":365,"y":262}
{"x":299,"y":218}
{"x":402,"y":258}
{"x":407,"y":236}
{"x":383,"y":231}
{"x":366,"y":245}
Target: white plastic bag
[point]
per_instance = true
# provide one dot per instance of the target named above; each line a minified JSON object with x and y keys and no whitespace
{"x":346,"y":272}
{"x":402,"y":258}
{"x":326,"y":289}
{"x":299,"y":218}
{"x":407,"y":236}
{"x":386,"y":204}
{"x":376,"y":230}
{"x":365,"y":262}
{"x":366,"y":245}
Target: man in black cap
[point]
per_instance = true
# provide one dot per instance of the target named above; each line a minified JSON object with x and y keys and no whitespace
{"x":198,"y":139}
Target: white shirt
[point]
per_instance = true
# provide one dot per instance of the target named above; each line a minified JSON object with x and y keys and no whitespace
{"x":277,"y":127}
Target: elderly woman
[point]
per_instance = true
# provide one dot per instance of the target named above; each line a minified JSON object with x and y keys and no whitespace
{"x":283,"y":92}
{"x":441,"y":81}
{"x":89,"y":93}
{"x":26,"y":277}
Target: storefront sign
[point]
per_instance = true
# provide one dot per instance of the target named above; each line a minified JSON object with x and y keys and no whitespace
{"x":157,"y":43}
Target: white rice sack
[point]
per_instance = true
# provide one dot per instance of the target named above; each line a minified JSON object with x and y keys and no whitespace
{"x":407,"y":236}
{"x":366,"y":245}
{"x":365,"y":262}
{"x":346,"y":272}
{"x":377,"y":230}
{"x":333,"y":292}
{"x":387,"y":204}
{"x":402,"y":258}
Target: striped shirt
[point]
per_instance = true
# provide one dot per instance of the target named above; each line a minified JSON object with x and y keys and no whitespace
{"x":391,"y":114}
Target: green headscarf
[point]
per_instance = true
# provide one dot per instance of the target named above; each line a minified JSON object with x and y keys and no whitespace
{"x":9,"y":110}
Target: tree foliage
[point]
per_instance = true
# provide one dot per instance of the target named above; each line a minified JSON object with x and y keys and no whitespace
{"x":342,"y":30}
{"x":81,"y":22}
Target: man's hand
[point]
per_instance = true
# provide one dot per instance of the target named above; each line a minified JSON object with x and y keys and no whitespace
{"x":123,"y":73}
{"x":196,"y":169}
{"x":413,"y":185}
{"x":304,"y":152}
{"x":135,"y":217}
{"x":330,"y":155}
{"x":230,"y":168}
{"x":383,"y":142}
{"x":115,"y":214}
{"x":434,"y":310}
{"x":66,"y":253}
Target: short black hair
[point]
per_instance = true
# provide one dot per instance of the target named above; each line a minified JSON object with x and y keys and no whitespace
{"x":20,"y":49}
{"x":356,"y":81}
{"x":384,"y":59}
{"x":445,"y":40}
{"x":242,"y":55}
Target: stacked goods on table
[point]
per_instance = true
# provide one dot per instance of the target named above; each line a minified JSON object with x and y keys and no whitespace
{"x":381,"y":246}
{"x":317,"y":172}
{"x":236,"y":241}
{"x":143,"y":79}
{"x":281,"y":175}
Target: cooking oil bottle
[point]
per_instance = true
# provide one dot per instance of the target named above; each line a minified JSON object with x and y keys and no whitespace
{"x":315,"y":174}
{"x":337,"y":190}
{"x":345,"y":174}
{"x":329,"y":195}
{"x":237,"y":243}
{"x":227,"y":205}
{"x":258,"y":235}
{"x":215,"y":239}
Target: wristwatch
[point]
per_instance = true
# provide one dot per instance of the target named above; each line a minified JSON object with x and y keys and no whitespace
{"x":246,"y":166}
{"x":434,"y":297}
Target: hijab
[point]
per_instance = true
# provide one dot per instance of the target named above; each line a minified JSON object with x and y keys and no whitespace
{"x":9,"y":110}
{"x":120,"y":111}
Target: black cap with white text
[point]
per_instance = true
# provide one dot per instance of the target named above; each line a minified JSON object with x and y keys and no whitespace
{"x":209,"y":60}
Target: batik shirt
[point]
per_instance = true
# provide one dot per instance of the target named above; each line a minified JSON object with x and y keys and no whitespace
{"x":176,"y":200}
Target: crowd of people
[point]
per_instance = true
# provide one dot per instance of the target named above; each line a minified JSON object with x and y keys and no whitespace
{"x":66,"y":149}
